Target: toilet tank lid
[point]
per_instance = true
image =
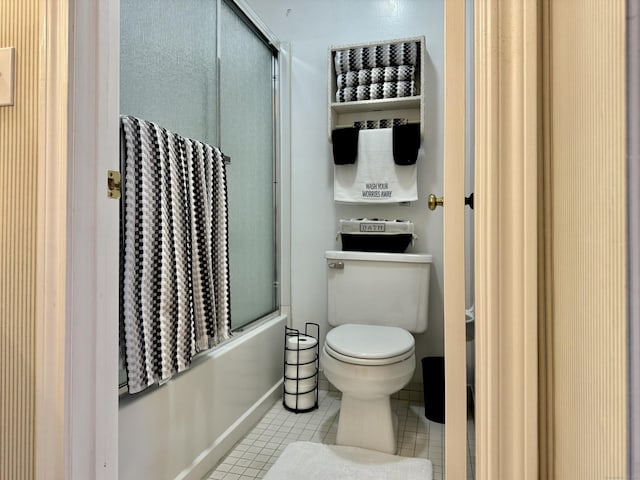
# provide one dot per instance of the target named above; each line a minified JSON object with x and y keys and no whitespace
{"x":379,"y":256}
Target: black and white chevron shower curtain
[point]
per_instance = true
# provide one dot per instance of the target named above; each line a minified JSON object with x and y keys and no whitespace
{"x":175,"y":268}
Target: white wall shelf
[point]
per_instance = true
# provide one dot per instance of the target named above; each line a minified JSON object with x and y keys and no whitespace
{"x":343,"y":114}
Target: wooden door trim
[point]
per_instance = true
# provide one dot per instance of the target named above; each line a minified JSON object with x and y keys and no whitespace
{"x":545,"y":251}
{"x":454,"y":284}
{"x":506,"y":156}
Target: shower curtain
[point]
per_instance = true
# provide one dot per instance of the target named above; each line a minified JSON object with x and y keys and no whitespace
{"x":175,"y":267}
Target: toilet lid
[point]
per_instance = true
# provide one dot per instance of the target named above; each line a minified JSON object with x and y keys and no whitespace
{"x":375,"y":344}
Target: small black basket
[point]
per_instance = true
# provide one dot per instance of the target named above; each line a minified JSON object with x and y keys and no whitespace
{"x":367,"y":242}
{"x":301,"y":366}
{"x":376,"y":235}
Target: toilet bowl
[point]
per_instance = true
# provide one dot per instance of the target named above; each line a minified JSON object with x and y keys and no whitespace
{"x":368,"y":363}
{"x":375,"y":301}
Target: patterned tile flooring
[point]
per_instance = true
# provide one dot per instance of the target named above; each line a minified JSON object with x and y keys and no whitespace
{"x":252,"y":456}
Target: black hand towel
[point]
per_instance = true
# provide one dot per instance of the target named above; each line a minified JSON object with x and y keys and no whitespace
{"x":345,"y":145}
{"x":406,"y":143}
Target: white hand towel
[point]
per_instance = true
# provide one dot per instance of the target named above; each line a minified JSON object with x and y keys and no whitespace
{"x":375,"y":178}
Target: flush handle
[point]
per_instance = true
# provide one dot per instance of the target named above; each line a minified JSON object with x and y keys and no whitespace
{"x":336,"y":265}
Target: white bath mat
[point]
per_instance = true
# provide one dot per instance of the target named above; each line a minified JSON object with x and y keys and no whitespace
{"x":315,"y":461}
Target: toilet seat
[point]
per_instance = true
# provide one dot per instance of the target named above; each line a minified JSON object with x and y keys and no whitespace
{"x":369,"y":344}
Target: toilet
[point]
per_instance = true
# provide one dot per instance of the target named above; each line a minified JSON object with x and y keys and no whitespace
{"x":375,"y":302}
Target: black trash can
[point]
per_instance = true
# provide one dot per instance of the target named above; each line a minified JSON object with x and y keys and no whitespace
{"x":433,"y":379}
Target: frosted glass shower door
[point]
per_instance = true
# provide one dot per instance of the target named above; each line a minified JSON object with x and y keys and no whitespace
{"x":168,"y":65}
{"x":168,"y":69}
{"x":247,"y":136}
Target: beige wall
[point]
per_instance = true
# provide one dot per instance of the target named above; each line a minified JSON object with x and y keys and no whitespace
{"x":587,"y":299}
{"x":19,"y":27}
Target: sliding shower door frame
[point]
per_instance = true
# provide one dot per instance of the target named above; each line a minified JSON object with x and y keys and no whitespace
{"x":246,"y":14}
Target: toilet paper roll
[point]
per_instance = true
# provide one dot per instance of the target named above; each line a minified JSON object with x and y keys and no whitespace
{"x":300,"y":349}
{"x":300,"y":386}
{"x":300,"y":371}
{"x":305,"y":401}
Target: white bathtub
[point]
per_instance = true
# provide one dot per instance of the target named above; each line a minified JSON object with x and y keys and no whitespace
{"x":181,"y":429}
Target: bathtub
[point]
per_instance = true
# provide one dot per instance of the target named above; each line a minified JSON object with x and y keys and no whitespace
{"x":181,"y":429}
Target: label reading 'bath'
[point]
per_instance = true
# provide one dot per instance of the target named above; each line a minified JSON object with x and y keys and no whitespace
{"x":372,"y":227}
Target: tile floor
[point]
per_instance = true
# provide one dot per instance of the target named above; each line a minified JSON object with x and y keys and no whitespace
{"x":252,"y":456}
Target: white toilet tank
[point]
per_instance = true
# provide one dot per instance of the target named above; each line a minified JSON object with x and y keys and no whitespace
{"x":378,"y":289}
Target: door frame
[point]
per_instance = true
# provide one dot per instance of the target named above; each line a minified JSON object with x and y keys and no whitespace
{"x":506,"y":238}
{"x":50,"y":420}
{"x":455,"y":63}
{"x":76,"y":427}
{"x":76,"y":351}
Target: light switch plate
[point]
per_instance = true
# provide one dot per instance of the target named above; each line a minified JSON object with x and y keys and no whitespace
{"x":7,"y":66}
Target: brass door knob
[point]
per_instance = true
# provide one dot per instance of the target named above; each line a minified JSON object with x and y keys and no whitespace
{"x":434,"y":202}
